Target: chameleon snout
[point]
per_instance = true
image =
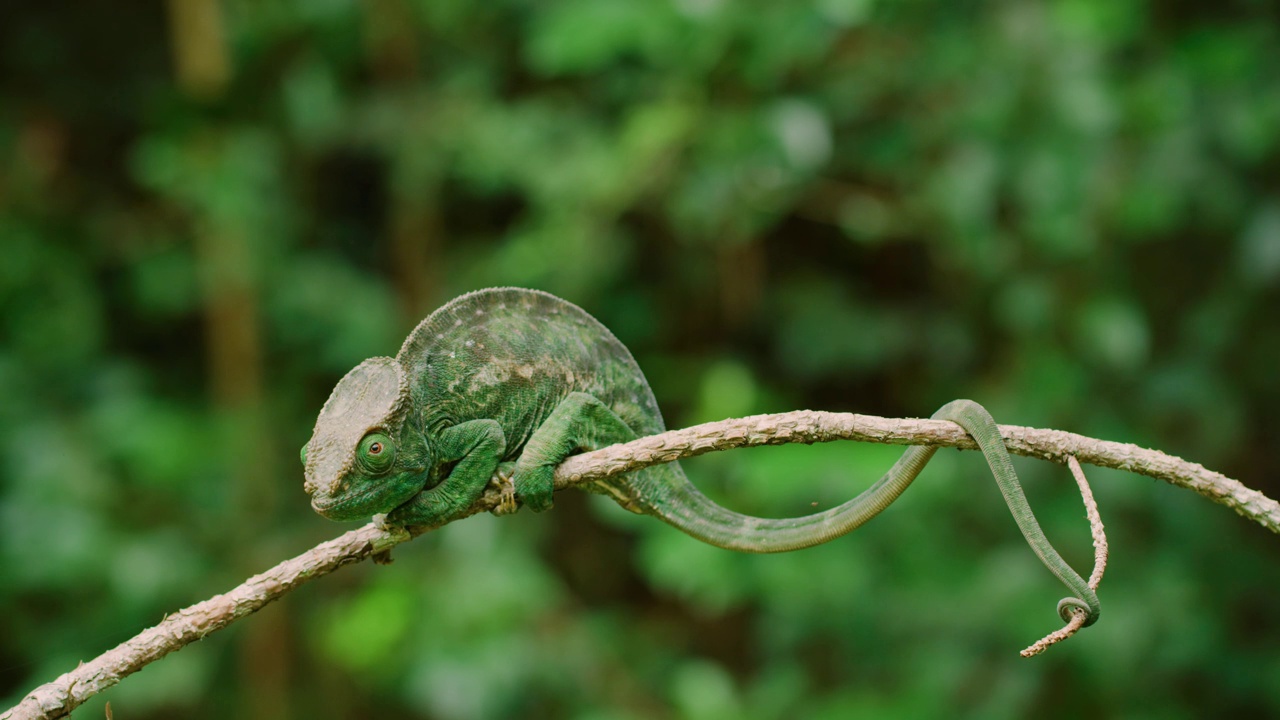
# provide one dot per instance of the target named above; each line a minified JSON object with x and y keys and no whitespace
{"x":323,"y":500}
{"x":323,"y":494}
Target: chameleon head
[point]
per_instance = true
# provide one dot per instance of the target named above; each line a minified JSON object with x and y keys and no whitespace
{"x":354,"y":463}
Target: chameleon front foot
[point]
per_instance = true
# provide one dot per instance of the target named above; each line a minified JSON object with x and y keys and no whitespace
{"x":501,"y":479}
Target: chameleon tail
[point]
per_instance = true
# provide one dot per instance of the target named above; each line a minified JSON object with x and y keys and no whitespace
{"x":684,"y":506}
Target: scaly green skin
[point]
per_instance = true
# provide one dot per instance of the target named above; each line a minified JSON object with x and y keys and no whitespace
{"x":523,"y":379}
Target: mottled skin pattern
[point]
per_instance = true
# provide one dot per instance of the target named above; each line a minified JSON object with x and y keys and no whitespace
{"x":510,"y":382}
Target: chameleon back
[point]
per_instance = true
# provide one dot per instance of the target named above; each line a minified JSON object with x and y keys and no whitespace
{"x":513,"y":354}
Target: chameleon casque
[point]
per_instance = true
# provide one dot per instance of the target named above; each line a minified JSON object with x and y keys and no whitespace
{"x":508,"y":382}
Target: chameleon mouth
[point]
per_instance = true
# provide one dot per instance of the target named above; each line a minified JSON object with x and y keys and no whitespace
{"x":369,"y":501}
{"x":347,"y":507}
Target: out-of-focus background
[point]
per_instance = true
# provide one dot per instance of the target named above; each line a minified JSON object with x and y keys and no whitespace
{"x":1069,"y":211}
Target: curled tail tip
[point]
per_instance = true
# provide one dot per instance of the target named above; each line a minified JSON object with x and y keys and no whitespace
{"x":1090,"y":606}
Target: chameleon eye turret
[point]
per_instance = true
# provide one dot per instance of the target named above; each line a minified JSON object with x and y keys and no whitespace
{"x":377,"y":453}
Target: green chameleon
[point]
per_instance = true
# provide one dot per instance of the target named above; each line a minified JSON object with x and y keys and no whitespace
{"x":504,"y":384}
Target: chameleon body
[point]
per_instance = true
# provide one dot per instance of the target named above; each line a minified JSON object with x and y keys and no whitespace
{"x":509,"y":382}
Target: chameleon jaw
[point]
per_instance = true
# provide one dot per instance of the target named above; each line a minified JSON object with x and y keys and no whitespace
{"x":346,"y":507}
{"x":379,"y":495}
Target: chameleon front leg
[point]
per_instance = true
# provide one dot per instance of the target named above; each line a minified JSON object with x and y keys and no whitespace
{"x":580,"y":422}
{"x":476,"y":446}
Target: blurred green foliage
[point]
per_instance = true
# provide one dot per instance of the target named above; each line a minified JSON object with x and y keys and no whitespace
{"x":1069,"y":211}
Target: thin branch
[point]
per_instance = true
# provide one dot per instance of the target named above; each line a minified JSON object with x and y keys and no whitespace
{"x":61,"y":696}
{"x":1099,"y":533}
{"x":1078,"y":617}
{"x":1100,"y":549}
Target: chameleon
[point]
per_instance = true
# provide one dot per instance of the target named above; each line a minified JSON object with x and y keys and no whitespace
{"x":503,"y":384}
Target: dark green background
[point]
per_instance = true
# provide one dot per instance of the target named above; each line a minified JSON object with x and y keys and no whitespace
{"x":1068,"y":211}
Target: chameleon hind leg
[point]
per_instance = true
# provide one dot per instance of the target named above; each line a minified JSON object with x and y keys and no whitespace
{"x":580,"y":422}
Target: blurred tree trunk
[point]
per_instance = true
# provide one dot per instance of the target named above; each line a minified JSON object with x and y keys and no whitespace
{"x":199,"y":48}
{"x":229,"y":285}
{"x":413,"y":159}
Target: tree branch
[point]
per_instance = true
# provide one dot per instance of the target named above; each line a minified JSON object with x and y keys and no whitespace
{"x":810,"y":426}
{"x":61,"y":696}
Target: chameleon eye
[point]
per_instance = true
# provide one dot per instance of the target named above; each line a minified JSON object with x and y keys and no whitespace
{"x":377,"y":453}
{"x":303,"y":455}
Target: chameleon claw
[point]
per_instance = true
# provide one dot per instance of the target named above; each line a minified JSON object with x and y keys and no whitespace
{"x":501,"y":479}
